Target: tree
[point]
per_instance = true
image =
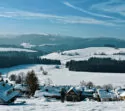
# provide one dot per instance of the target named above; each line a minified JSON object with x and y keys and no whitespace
{"x":41,"y":68}
{"x":12,"y":77}
{"x":18,"y":80}
{"x":45,"y":72}
{"x":32,"y":82}
{"x":82,"y":83}
{"x":48,"y":82}
{"x":22,"y":76}
{"x":0,"y":74}
{"x":63,"y":93}
{"x":90,"y":84}
{"x":108,"y":87}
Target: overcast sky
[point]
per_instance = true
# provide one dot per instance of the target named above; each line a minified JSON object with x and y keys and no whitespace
{"x":81,"y":18}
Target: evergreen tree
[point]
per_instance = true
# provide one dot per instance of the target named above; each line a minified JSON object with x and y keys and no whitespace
{"x":32,"y":82}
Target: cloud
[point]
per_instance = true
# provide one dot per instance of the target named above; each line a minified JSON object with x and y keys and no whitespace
{"x":26,"y":14}
{"x":55,"y":18}
{"x":111,"y":6}
{"x":84,"y":11}
{"x":84,"y":20}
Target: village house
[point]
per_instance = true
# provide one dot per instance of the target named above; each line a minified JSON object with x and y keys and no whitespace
{"x":7,"y":92}
{"x":120,"y":93}
{"x":88,"y":92}
{"x":106,"y":95}
{"x":73,"y":95}
{"x":23,"y":89}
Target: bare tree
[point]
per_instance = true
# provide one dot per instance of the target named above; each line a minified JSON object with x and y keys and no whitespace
{"x":41,"y":68}
{"x":98,"y":87}
{"x":108,"y":87}
{"x":82,"y":83}
{"x":48,"y":82}
{"x":23,"y":77}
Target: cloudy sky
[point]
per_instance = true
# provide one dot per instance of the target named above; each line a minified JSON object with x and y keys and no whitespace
{"x":82,"y":18}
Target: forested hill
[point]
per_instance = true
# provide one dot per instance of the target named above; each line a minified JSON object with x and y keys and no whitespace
{"x":49,"y":43}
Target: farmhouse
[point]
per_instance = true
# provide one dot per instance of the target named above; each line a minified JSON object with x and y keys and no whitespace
{"x":73,"y":95}
{"x":23,"y":89}
{"x":7,"y":92}
{"x":88,"y":92}
{"x":105,"y":95}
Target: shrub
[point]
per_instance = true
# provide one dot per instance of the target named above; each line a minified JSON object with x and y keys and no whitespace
{"x":82,"y":83}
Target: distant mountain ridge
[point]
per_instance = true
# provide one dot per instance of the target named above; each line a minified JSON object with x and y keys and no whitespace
{"x":49,"y":43}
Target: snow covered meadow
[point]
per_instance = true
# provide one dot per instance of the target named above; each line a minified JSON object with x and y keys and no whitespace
{"x":15,"y":49}
{"x":86,"y":53}
{"x":63,"y":76}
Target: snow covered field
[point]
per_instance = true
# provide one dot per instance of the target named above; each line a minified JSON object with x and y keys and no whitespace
{"x":41,"y":104}
{"x":63,"y":76}
{"x":86,"y":53}
{"x":15,"y":49}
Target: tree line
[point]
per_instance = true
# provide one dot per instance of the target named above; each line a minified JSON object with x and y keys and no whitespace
{"x":97,"y":65}
{"x":19,"y":58}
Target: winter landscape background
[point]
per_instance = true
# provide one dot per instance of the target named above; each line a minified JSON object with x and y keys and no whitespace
{"x":62,"y":55}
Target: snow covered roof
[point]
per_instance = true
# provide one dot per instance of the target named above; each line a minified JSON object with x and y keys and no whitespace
{"x":7,"y":92}
{"x":122,"y":94}
{"x":89,"y":89}
{"x":106,"y":94}
{"x":73,"y":88}
{"x":79,"y":88}
{"x":21,"y":87}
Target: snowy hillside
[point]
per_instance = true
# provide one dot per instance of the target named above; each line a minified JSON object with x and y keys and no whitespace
{"x":86,"y":53}
{"x":63,"y":76}
{"x":15,"y":49}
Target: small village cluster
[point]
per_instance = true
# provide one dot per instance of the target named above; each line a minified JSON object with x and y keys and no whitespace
{"x":9,"y":93}
{"x":80,"y":93}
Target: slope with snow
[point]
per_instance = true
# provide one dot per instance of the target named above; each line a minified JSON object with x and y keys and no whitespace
{"x":86,"y":53}
{"x":15,"y":49}
{"x":63,"y":76}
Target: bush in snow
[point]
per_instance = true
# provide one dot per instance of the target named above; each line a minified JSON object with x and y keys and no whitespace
{"x":45,"y":73}
{"x":41,"y":68}
{"x":48,"y":82}
{"x":82,"y":83}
